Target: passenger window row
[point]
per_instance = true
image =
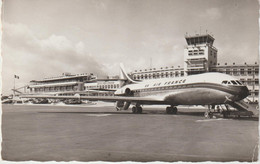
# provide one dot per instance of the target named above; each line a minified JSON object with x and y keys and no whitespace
{"x":175,"y":82}
{"x":161,"y":88}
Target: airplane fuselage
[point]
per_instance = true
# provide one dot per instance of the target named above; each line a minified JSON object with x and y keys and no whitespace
{"x":201,"y":89}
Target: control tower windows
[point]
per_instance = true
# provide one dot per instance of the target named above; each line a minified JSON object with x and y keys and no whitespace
{"x":196,"y":52}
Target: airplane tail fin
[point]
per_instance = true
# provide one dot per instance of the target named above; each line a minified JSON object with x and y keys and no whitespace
{"x":123,"y":74}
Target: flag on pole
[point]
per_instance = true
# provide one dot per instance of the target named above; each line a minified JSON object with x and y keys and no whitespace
{"x":15,"y":76}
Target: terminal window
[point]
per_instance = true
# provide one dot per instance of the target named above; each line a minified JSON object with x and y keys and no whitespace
{"x":256,"y":70}
{"x":242,"y":71}
{"x":227,"y":71}
{"x":256,"y":81}
{"x":235,"y":71}
{"x":249,"y":81}
{"x":249,"y":71}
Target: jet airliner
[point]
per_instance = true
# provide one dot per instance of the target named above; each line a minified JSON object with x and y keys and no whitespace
{"x":201,"y":89}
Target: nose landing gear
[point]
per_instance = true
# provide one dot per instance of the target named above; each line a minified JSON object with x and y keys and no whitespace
{"x":208,"y":113}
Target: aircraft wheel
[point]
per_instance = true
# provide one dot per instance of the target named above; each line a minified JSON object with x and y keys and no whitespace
{"x":139,"y":110}
{"x":134,"y":109}
{"x":174,"y":110}
{"x":168,"y":110}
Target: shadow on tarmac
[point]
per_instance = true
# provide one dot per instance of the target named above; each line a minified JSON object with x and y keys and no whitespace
{"x":88,"y":112}
{"x":198,"y":114}
{"x":201,"y":114}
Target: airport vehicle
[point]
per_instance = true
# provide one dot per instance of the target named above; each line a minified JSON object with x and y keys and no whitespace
{"x":201,"y":89}
{"x":72,"y":101}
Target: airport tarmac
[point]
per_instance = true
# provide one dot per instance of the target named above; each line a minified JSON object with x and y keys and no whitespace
{"x":100,"y":133}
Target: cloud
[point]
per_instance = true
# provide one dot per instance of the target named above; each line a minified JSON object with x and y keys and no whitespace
{"x":211,"y":13}
{"x":33,"y":57}
{"x":99,"y":4}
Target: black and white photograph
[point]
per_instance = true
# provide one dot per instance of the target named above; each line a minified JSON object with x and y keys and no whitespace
{"x":130,"y":80}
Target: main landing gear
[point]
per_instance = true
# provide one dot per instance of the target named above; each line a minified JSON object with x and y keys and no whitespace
{"x":137,"y":109}
{"x":171,"y":110}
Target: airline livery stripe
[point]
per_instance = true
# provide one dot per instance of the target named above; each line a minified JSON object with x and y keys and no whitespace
{"x":224,"y":88}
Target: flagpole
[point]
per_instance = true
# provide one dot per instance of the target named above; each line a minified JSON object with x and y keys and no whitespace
{"x":14,"y":86}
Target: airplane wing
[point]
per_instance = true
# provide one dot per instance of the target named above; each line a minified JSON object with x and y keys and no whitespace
{"x":141,"y":100}
{"x":100,"y":89}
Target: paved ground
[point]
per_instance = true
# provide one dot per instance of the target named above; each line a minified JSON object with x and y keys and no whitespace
{"x":99,"y":133}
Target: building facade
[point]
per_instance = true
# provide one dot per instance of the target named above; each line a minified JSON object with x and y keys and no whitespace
{"x":153,"y":73}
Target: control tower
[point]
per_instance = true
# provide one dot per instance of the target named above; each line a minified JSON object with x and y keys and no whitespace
{"x":200,"y":54}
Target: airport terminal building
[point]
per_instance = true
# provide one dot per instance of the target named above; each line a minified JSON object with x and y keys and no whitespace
{"x":201,"y":56}
{"x":69,"y":84}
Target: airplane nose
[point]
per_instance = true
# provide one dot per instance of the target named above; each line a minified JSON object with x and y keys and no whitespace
{"x":244,"y":92}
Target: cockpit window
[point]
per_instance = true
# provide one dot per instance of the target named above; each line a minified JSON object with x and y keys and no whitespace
{"x":233,"y":82}
{"x":224,"y":82}
{"x":239,"y":82}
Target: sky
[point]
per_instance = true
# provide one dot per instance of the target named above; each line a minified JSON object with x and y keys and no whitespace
{"x":44,"y":38}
